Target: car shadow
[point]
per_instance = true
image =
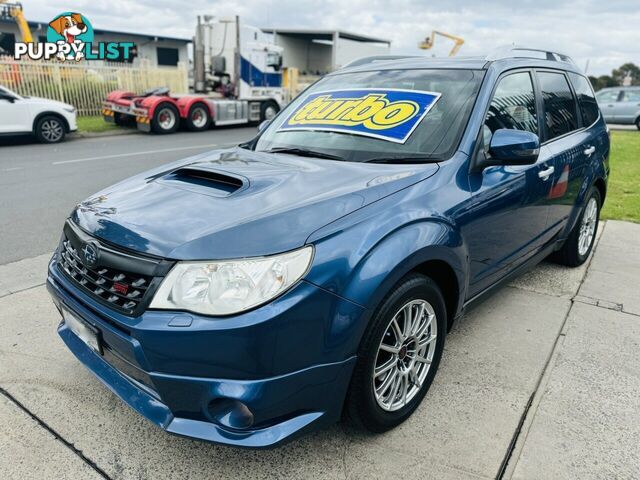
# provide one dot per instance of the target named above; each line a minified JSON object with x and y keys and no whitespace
{"x":17,"y":140}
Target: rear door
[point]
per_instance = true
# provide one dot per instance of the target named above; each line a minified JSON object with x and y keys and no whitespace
{"x":608,"y":101}
{"x":508,"y":214}
{"x":628,"y":107}
{"x":568,"y":141}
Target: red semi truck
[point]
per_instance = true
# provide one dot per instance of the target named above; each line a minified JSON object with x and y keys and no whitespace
{"x":158,"y":111}
{"x":237,"y":74}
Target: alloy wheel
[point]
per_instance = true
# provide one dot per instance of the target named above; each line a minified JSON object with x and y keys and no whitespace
{"x":588,"y":226}
{"x":52,"y":130}
{"x":404,"y":355}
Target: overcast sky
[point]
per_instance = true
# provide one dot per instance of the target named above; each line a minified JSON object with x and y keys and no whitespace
{"x":605,"y":32}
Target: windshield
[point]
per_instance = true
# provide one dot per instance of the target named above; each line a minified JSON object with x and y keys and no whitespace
{"x":378,"y":116}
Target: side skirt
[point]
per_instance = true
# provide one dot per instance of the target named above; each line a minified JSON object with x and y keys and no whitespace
{"x":526,"y":266}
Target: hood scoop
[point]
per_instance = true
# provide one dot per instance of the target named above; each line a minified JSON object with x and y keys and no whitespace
{"x":204,"y":180}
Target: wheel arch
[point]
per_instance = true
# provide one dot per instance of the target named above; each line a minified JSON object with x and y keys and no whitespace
{"x":152,"y":102}
{"x":185,"y":104}
{"x":433,"y":248}
{"x":601,"y":185}
{"x":48,"y":113}
{"x":445,"y":277}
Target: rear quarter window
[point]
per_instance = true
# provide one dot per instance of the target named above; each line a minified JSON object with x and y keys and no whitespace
{"x":586,"y":99}
{"x":631,"y":96}
{"x":560,"y":114}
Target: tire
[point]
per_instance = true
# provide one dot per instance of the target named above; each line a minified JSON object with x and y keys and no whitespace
{"x":50,"y":129}
{"x":268,"y":110}
{"x":199,"y":118}
{"x":165,"y":119}
{"x":363,"y":407}
{"x":638,"y":123}
{"x":577,"y":248}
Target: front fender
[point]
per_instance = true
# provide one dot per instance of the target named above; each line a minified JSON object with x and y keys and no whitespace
{"x":362,"y":270}
{"x":401,"y":252}
{"x":361,"y":256}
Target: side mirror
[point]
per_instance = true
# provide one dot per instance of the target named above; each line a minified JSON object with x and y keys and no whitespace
{"x":510,"y":147}
{"x":264,"y":124}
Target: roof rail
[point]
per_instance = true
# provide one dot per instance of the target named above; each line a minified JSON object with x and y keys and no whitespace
{"x":377,"y":58}
{"x":516,"y":51}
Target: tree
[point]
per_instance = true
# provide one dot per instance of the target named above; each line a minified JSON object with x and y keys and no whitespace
{"x":603,"y":81}
{"x":617,"y":77}
{"x":628,"y":69}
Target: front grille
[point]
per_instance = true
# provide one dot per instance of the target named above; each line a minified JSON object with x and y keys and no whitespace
{"x":120,"y":289}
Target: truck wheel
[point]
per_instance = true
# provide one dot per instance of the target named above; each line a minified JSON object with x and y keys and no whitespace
{"x":50,"y":129}
{"x":198,"y":118}
{"x":165,"y":119}
{"x":268,"y":110}
{"x":398,"y":356}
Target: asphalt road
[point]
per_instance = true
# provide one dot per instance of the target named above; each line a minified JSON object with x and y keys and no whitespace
{"x":40,"y":184}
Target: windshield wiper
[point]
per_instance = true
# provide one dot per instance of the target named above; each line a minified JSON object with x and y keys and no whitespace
{"x":401,"y":160}
{"x":303,"y":152}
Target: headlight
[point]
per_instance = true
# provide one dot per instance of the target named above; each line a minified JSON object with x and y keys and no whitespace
{"x":230,"y":286}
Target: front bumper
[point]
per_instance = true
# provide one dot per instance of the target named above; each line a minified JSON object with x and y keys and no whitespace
{"x":172,"y":389}
{"x":72,"y":122}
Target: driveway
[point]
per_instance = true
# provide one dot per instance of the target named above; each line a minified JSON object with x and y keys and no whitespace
{"x":542,"y":380}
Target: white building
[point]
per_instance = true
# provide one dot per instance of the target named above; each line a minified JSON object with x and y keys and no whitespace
{"x":159,"y":50}
{"x":317,"y":52}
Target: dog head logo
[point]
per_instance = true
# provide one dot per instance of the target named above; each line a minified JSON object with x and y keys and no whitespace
{"x":69,"y":26}
{"x":73,"y":29}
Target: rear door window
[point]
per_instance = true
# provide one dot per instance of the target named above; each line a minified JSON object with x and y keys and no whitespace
{"x":560,"y":116}
{"x":631,"y":96}
{"x":586,"y":99}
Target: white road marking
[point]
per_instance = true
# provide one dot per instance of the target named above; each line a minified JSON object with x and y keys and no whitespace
{"x":148,"y":152}
{"x":12,"y":169}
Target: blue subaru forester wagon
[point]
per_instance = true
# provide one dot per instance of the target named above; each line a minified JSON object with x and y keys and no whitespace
{"x":250,"y":294}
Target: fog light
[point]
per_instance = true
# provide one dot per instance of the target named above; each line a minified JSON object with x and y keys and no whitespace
{"x":230,"y":413}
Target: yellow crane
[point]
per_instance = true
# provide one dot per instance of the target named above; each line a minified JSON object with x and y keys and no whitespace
{"x":429,"y":42}
{"x":14,"y":10}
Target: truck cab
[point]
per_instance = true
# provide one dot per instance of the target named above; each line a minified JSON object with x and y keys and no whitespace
{"x":240,"y":63}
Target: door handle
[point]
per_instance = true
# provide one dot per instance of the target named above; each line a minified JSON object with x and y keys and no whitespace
{"x":589,"y":151}
{"x":545,"y":174}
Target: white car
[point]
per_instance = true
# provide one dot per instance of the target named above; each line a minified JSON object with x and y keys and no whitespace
{"x":48,"y":120}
